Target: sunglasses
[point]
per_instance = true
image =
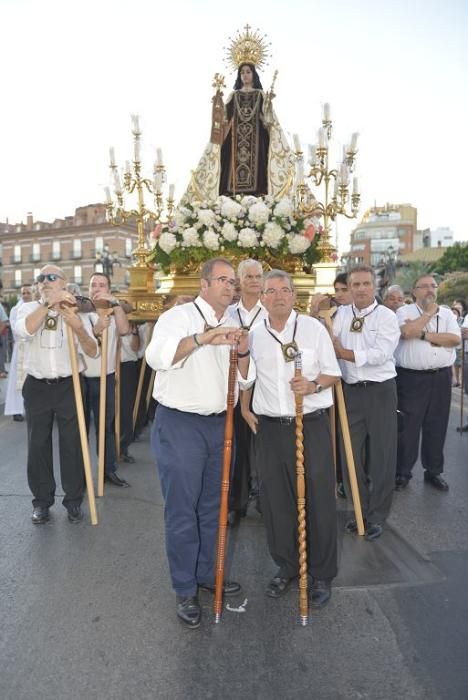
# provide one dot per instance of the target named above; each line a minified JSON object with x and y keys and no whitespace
{"x":51,"y":277}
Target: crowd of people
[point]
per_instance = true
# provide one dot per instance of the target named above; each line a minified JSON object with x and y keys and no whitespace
{"x":394,"y":360}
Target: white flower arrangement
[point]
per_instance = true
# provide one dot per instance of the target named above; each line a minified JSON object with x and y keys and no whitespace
{"x":254,"y":226}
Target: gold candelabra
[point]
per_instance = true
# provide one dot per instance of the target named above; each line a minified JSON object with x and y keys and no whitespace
{"x":340,"y":201}
{"x":135,"y":183}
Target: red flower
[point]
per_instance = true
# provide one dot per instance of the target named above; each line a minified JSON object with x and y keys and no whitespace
{"x":157,"y":232}
{"x":310,"y":232}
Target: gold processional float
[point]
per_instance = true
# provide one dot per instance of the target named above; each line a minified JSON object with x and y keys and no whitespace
{"x":288,"y":227}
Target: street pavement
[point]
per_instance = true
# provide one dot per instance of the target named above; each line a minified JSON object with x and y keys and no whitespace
{"x":88,"y":612}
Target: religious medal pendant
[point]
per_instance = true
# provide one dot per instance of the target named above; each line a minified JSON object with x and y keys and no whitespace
{"x":356,"y":325}
{"x":290,"y":351}
{"x":51,"y":323}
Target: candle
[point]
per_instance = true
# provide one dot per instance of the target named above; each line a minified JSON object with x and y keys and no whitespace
{"x":157,"y":182}
{"x":337,"y":182}
{"x":355,"y":186}
{"x":136,"y":150}
{"x":108,"y":195}
{"x":326,"y":112}
{"x":297,"y":142}
{"x":112,"y":157}
{"x":135,"y":123}
{"x":354,"y":138}
{"x":159,"y":156}
{"x":300,"y":170}
{"x":117,"y":185}
{"x":128,"y":167}
{"x":312,"y":154}
{"x":322,"y":138}
{"x":344,"y":174}
{"x":171,"y":191}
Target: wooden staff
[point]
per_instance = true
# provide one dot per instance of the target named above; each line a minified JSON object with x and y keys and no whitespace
{"x":82,"y":426}
{"x":327,"y":314}
{"x":332,"y":418}
{"x":117,"y":398}
{"x":462,"y":383}
{"x":223,"y":511}
{"x":149,"y":391}
{"x":301,"y":501}
{"x":102,"y":411}
{"x":141,"y":378}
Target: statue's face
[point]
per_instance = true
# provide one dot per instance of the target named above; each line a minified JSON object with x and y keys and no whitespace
{"x":246,"y":76}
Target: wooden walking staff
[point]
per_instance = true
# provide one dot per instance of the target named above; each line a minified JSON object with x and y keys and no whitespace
{"x":117,"y":399}
{"x":327,"y":314}
{"x":141,"y":378}
{"x":82,"y":426}
{"x":301,"y":501}
{"x":462,"y":383}
{"x":102,"y":411}
{"x":223,"y":511}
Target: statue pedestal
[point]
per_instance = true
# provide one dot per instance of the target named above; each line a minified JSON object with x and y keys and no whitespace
{"x":325,"y":274}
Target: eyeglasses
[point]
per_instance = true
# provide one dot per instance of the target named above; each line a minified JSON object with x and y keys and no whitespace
{"x":224,"y":280}
{"x":51,"y":277}
{"x":284,"y":290}
{"x":427,"y":286}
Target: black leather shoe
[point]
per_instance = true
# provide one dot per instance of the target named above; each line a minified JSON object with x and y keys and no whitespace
{"x":75,"y":514}
{"x":436,"y":481}
{"x":401,"y":482}
{"x":129,"y":459}
{"x":320,"y":592}
{"x":340,"y":490}
{"x":40,"y":515}
{"x":189,"y":611}
{"x":112,"y":478}
{"x":277,"y":586}
{"x":18,"y":418}
{"x":463,"y":429}
{"x":351,"y":527}
{"x":229,"y":587}
{"x":234,"y":518}
{"x":373,"y":531}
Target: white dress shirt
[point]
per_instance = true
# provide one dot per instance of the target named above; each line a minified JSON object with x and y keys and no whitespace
{"x":414,"y":353}
{"x":46,"y":352}
{"x":373,"y":347}
{"x":93,"y":368}
{"x":248,"y":319}
{"x":273,"y":395}
{"x":126,"y":352}
{"x":198,"y":383}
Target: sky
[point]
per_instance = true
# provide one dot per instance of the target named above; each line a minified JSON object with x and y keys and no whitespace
{"x":73,"y":72}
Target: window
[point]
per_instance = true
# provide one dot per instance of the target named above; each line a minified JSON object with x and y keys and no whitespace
{"x":18,"y":278}
{"x":99,"y":244}
{"x":37,"y":271}
{"x":56,"y":253}
{"x":17,"y":254}
{"x":128,"y":247}
{"x":77,"y":274}
{"x":76,"y":248}
{"x":36,"y":252}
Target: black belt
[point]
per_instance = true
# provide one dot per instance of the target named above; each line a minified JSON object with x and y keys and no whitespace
{"x":192,"y":413}
{"x":363,"y":384}
{"x":288,"y":420}
{"x":54,"y":380}
{"x":422,"y":371}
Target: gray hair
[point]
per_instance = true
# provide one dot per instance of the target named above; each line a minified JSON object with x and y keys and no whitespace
{"x":278,"y":274}
{"x":242,"y":268}
{"x":362,"y":268}
{"x":394,"y":288}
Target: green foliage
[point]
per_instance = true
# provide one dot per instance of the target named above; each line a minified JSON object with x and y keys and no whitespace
{"x":454,"y":259}
{"x":409,"y":272}
{"x":453,"y":286}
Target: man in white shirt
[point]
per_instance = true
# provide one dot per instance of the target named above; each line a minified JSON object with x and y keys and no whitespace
{"x":366,"y":335}
{"x":48,"y":392}
{"x":14,"y":404}
{"x":117,"y":324}
{"x":424,"y":357}
{"x":190,"y":352}
{"x":274,"y":344}
{"x":394,"y":297}
{"x":246,"y":313}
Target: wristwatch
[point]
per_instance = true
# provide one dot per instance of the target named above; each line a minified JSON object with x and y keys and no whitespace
{"x":114,"y":303}
{"x":318,"y":387}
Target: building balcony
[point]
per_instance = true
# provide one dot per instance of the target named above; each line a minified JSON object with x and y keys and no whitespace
{"x":34,"y":258}
{"x":15,"y":259}
{"x":76,"y":255}
{"x":56,"y":256}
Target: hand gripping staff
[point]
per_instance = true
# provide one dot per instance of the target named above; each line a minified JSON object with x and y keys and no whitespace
{"x":223,"y":511}
{"x":301,"y":501}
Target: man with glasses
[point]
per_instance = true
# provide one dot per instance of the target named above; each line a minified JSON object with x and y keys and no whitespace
{"x":48,"y":392}
{"x":424,"y":357}
{"x":246,"y":313}
{"x":190,"y":352}
{"x":274,"y":345}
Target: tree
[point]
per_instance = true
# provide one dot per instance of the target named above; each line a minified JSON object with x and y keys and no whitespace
{"x":455,"y":259}
{"x":453,"y":286}
{"x":408,"y":273}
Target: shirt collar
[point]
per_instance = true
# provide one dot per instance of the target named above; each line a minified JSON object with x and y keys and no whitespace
{"x":368,"y":309}
{"x":291,"y":320}
{"x":209,"y":313}
{"x":241,"y":306}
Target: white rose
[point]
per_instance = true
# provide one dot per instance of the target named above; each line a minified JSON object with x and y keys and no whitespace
{"x":248,"y":200}
{"x":273,"y":234}
{"x":179,"y":218}
{"x":297,"y":243}
{"x":248,"y":238}
{"x":207,"y":217}
{"x":229,"y":231}
{"x":229,"y":208}
{"x":190,"y":238}
{"x":259,"y":213}
{"x":283,"y":208}
{"x":211,"y":240}
{"x":167,"y":242}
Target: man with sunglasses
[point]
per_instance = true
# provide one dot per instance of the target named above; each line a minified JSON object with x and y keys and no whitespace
{"x":424,"y":358}
{"x":190,"y":352}
{"x":48,"y":392}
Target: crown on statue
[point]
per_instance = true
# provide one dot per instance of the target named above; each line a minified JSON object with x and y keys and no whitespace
{"x":249,"y":47}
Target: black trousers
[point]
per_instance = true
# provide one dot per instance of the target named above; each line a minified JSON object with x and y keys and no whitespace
{"x":276,"y":467}
{"x":92,"y":392}
{"x":424,"y":409}
{"x":372,"y":416}
{"x":240,"y":478}
{"x":43,"y":403}
{"x":128,"y":387}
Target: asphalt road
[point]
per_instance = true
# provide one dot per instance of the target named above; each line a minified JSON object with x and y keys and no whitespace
{"x":88,"y":612}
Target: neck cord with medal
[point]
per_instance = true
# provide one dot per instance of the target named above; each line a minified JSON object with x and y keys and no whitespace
{"x":291,"y":349}
{"x":243,"y":325}
{"x":207,"y":325}
{"x":358,"y":321}
{"x":51,"y":320}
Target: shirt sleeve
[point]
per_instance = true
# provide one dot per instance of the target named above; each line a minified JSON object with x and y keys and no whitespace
{"x":171,"y":327}
{"x":383,"y":346}
{"x":326,"y":352}
{"x":20,"y":326}
{"x":452,"y":325}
